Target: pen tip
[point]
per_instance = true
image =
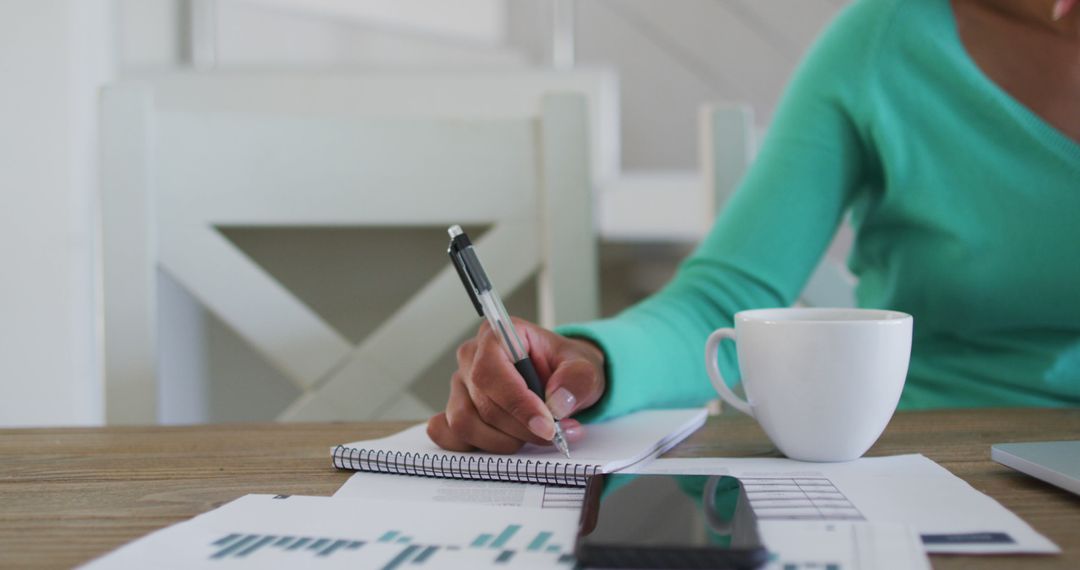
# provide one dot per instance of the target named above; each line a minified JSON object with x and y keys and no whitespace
{"x":560,"y":441}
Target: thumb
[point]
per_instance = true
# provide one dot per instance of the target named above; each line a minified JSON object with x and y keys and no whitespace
{"x":575,"y":384}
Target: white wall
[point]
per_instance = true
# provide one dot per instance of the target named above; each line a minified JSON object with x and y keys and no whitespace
{"x":276,"y":33}
{"x":673,"y":56}
{"x":479,"y":21}
{"x":150,"y":34}
{"x":157,"y":34}
{"x":53,"y":56}
{"x":670,"y":56}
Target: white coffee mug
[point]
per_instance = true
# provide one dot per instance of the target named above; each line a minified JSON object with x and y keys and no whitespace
{"x":822,"y":383}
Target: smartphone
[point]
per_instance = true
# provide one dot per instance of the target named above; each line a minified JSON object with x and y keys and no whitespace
{"x":668,"y":521}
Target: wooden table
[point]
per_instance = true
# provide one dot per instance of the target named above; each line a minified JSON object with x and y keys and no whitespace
{"x":68,"y":495}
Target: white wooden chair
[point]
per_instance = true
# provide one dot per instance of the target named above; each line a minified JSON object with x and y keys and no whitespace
{"x":728,"y":144}
{"x":185,"y":156}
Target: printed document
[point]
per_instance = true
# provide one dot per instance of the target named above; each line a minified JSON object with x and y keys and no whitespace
{"x":950,"y":515}
{"x":267,"y":532}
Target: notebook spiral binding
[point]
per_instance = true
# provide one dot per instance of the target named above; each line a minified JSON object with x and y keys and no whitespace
{"x":467,"y":467}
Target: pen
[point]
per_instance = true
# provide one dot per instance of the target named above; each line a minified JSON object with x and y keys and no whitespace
{"x":487,"y":302}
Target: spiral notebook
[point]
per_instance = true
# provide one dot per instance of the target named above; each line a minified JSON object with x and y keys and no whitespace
{"x":609,"y":446}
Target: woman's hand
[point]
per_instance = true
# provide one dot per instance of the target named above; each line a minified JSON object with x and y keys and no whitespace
{"x":490,"y":408}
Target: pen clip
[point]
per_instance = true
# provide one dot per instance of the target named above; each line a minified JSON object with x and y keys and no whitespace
{"x":458,"y":244}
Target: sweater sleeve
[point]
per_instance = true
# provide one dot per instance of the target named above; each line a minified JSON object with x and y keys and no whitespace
{"x":767,"y":240}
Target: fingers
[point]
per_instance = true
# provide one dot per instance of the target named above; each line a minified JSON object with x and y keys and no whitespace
{"x":438,"y":429}
{"x":495,"y":416}
{"x":496,"y":388}
{"x":1061,"y":8}
{"x":465,"y":354}
{"x":573,"y":430}
{"x":491,"y":408}
{"x":466,"y":426}
{"x":502,"y":401}
{"x":502,"y":398}
{"x":577,"y":381}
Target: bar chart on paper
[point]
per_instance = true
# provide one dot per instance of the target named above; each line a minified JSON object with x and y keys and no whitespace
{"x":242,"y":546}
{"x":319,"y":532}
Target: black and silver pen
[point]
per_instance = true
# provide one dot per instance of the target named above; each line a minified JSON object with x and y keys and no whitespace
{"x":487,"y":302}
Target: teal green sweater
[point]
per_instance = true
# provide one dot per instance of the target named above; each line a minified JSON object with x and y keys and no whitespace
{"x":966,"y":207}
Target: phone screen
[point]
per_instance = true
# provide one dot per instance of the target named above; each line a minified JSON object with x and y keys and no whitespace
{"x":672,"y":521}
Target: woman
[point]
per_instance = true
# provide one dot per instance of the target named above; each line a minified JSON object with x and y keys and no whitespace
{"x":950,"y":131}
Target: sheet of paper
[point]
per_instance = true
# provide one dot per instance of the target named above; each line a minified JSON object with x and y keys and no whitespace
{"x":795,"y":544}
{"x":436,"y":490}
{"x":829,"y":545}
{"x":949,"y":515}
{"x":267,"y":532}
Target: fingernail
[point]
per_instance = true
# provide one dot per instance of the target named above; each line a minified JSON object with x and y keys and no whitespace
{"x":561,"y":403}
{"x":573,"y":432}
{"x":543,"y":427}
{"x":1059,"y":9}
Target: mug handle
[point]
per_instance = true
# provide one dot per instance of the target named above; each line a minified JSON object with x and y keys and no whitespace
{"x":712,"y":349}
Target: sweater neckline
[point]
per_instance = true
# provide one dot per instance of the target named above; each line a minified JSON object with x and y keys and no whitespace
{"x":1039,"y":127}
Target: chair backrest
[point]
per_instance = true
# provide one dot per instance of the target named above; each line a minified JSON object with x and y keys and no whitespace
{"x":182,"y":159}
{"x":381,"y":93}
{"x":728,"y":144}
